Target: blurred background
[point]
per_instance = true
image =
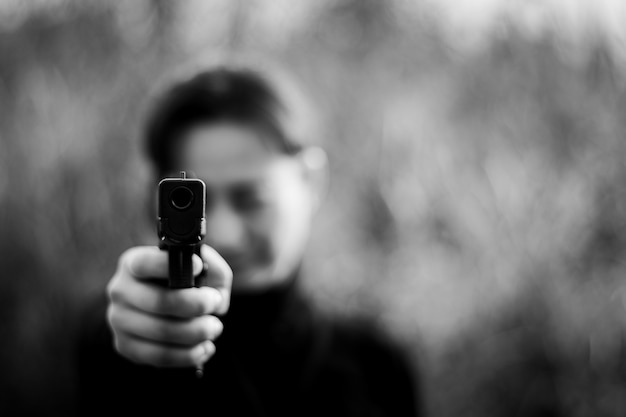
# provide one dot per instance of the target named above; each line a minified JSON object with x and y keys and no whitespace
{"x":477,"y":206}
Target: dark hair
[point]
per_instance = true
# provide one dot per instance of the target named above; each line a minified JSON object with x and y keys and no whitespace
{"x":222,"y":94}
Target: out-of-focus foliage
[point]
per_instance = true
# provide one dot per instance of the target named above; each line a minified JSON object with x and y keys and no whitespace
{"x":476,"y":206}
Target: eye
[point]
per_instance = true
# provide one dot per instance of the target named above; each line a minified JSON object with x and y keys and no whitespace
{"x":248,"y":198}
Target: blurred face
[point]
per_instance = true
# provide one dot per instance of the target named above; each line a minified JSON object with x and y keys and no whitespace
{"x":259,"y":203}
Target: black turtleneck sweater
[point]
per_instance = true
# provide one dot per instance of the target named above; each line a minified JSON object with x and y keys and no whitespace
{"x":277,"y":356}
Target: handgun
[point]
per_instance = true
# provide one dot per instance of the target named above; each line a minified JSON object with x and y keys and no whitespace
{"x":181,"y":224}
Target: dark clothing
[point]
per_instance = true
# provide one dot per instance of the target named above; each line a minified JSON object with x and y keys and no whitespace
{"x":277,"y":356}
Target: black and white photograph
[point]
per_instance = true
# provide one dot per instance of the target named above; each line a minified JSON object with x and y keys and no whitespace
{"x":354,"y":208}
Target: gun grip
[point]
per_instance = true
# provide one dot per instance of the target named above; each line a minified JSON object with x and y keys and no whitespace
{"x":181,"y":266}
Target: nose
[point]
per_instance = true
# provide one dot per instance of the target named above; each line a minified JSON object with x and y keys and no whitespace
{"x":225,"y":229}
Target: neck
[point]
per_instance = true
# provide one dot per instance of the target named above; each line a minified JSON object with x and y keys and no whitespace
{"x":260,"y":309}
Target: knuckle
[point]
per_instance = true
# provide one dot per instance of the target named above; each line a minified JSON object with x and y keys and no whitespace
{"x":208,"y":300}
{"x":125,"y":257}
{"x":113,"y":290}
{"x":225,"y":304}
{"x":216,"y":326}
{"x":208,"y":349}
{"x":192,"y":355}
{"x":130,"y":257}
{"x":117,"y":344}
{"x":202,"y":307}
{"x":196,"y":303}
{"x":205,"y":330}
{"x":122,"y":347}
{"x":112,"y":315}
{"x":209,"y":329}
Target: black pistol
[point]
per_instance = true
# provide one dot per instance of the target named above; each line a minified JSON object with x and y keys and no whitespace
{"x":181,"y":225}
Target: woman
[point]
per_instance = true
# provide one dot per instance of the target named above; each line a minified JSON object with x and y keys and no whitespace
{"x":264,"y":347}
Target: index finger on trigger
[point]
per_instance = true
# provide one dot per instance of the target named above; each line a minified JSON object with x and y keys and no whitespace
{"x":217,"y":274}
{"x":152,"y":262}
